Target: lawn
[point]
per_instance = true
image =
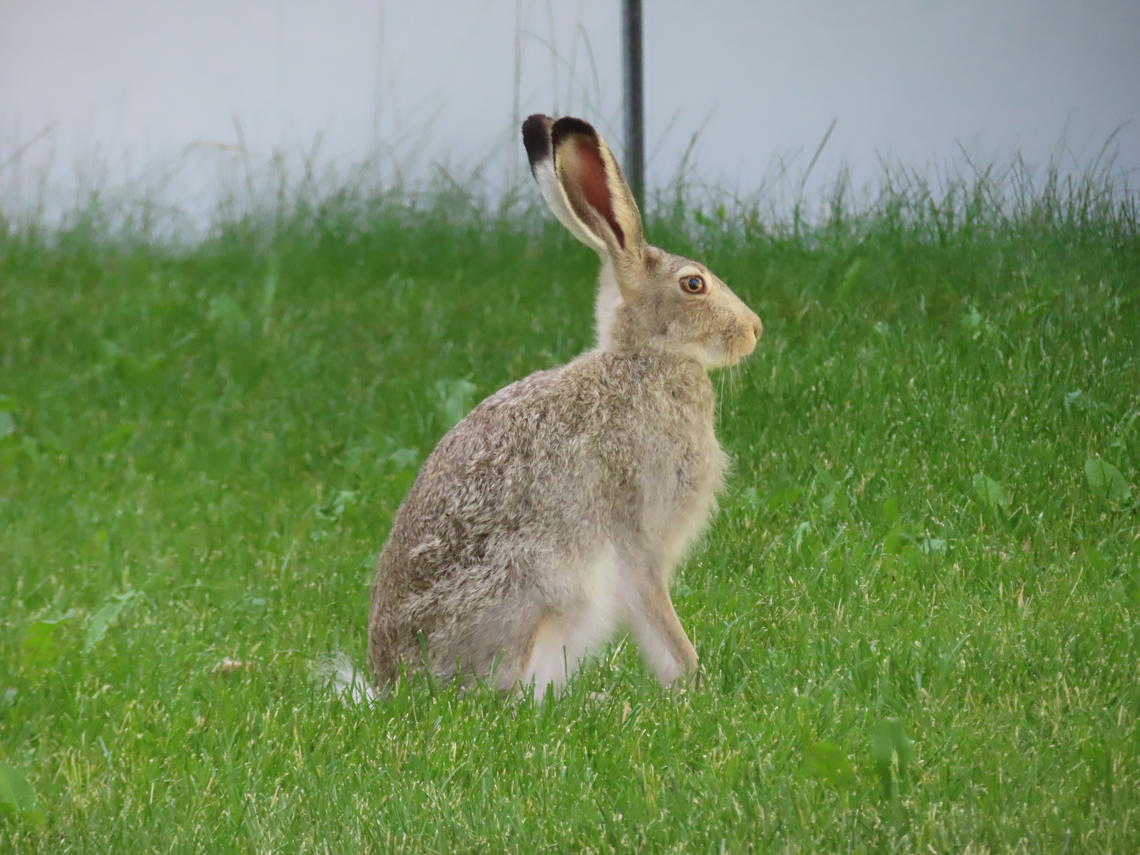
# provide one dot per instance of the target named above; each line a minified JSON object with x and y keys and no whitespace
{"x":916,"y":611}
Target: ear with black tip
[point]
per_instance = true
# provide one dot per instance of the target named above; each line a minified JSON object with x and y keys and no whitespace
{"x":536,"y":140}
{"x":536,"y":131}
{"x":595,"y":188}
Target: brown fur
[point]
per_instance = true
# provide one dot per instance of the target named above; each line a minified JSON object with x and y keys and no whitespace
{"x":561,"y":504}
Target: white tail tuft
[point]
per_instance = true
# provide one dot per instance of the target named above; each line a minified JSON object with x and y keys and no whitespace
{"x":337,"y":673}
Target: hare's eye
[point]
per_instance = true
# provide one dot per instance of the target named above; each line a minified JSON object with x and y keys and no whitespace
{"x":693,"y":285}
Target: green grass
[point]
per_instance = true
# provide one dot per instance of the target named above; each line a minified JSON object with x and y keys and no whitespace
{"x":916,"y":609}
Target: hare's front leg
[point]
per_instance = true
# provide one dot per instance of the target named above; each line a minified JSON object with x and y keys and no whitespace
{"x":657,"y":629}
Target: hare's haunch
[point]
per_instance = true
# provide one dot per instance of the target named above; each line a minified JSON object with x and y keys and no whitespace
{"x":556,"y":510}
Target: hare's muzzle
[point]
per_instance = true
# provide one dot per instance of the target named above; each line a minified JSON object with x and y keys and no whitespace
{"x":757,"y":327}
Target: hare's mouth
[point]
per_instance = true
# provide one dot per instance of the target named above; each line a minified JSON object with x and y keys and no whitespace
{"x":721,"y":354}
{"x":716,"y":355}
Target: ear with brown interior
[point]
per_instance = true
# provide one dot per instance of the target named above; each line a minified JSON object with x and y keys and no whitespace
{"x":536,"y":131}
{"x":595,"y":189}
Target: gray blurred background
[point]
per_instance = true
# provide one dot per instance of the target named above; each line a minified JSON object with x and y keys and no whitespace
{"x":184,"y":102}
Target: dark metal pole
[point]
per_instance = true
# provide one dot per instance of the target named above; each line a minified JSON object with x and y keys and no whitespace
{"x":634,"y":100}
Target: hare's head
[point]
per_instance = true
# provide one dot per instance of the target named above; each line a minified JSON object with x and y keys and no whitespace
{"x":648,"y":299}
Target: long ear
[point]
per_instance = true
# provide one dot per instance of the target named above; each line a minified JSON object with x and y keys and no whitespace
{"x":595,"y":188}
{"x":540,"y":153}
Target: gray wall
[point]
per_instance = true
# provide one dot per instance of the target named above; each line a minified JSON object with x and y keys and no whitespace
{"x":182,"y":99}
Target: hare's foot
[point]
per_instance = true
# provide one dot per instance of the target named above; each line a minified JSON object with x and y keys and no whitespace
{"x":659,"y":634}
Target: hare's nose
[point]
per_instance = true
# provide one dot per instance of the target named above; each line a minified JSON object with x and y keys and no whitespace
{"x":757,"y":327}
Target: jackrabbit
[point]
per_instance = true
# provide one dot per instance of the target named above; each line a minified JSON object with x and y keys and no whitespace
{"x":557,"y":509}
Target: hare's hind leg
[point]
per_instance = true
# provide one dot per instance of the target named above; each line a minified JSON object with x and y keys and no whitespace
{"x":547,"y":663}
{"x":508,"y":666}
{"x":563,"y":641}
{"x":586,"y":618}
{"x":536,"y":663}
